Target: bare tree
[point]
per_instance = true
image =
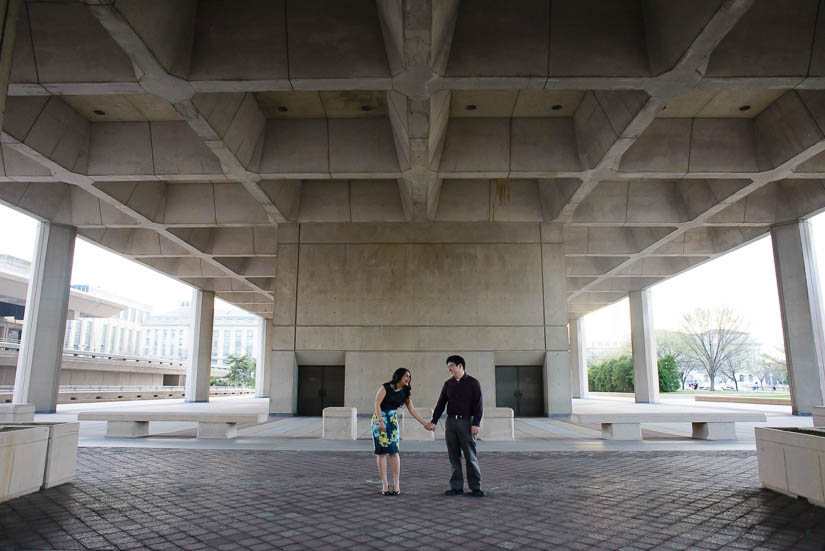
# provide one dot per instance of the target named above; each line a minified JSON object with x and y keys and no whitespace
{"x":715,"y":338}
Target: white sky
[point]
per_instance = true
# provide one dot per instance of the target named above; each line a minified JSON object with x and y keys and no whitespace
{"x":100,"y":268}
{"x":743,"y":279}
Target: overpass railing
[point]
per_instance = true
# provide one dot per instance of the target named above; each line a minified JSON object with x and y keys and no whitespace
{"x":14,"y":348}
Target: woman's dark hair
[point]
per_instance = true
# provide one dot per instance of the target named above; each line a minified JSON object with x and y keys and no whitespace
{"x":398,"y":375}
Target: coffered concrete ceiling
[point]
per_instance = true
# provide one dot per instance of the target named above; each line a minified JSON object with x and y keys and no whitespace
{"x":187,"y":135}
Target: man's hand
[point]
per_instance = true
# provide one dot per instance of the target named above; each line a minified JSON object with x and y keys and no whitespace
{"x":474,"y":430}
{"x":430,"y":426}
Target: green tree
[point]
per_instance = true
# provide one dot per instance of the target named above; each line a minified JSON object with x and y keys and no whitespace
{"x":611,"y":375}
{"x":241,"y":371}
{"x":669,"y":379}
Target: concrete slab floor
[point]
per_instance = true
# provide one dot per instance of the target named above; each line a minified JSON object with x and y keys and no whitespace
{"x":243,"y":499}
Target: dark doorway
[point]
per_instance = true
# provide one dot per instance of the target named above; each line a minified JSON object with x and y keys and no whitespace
{"x":522,"y":389}
{"x":319,"y":387}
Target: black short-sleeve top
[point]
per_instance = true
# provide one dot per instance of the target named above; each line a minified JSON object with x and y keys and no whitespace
{"x":394,"y":398}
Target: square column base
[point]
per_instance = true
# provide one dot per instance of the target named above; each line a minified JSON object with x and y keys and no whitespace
{"x":339,"y":424}
{"x":622,"y":431}
{"x":217,"y":430}
{"x":16,"y":413}
{"x":714,"y":431}
{"x":127,"y":429}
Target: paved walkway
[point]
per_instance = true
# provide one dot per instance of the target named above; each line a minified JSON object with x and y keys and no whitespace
{"x":130,"y":498}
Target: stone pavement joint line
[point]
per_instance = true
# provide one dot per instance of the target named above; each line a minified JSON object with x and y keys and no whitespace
{"x":126,"y":498}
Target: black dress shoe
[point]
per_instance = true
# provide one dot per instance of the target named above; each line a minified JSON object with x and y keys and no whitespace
{"x":454,"y":492}
{"x":478,"y":493}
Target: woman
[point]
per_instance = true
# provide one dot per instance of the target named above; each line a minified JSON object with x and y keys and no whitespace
{"x":388,"y":399}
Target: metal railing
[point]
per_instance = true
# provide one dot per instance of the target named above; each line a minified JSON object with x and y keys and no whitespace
{"x":14,"y":347}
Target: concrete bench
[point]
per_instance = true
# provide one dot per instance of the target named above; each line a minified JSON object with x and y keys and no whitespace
{"x":706,"y":425}
{"x":134,"y":424}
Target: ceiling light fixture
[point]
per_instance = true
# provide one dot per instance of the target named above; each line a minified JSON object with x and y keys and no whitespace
{"x":366,"y":108}
{"x":745,"y":108}
{"x":556,"y":107}
{"x":99,"y":112}
{"x":283,"y":108}
{"x":470,"y":107}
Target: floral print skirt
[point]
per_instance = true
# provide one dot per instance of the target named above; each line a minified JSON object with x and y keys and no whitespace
{"x":387,"y":441}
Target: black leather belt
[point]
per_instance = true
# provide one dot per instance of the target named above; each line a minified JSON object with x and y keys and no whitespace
{"x":458,"y":416}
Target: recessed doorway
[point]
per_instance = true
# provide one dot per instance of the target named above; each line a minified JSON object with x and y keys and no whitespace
{"x":521,"y":388}
{"x":319,"y":387}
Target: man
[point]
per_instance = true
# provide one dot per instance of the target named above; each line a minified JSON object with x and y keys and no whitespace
{"x":462,"y":396}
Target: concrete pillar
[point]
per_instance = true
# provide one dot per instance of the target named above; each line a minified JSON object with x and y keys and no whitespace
{"x":800,"y":303}
{"x":263,"y":371}
{"x":643,"y":342}
{"x":200,"y":366}
{"x":9,"y":10}
{"x":44,"y":325}
{"x":578,"y":364}
{"x":558,"y":397}
{"x":283,"y":382}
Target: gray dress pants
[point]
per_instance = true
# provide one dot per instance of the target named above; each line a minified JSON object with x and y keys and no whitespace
{"x":460,"y":440}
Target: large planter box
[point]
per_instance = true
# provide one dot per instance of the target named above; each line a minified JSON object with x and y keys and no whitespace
{"x":22,"y":459}
{"x":791,"y":461}
{"x":61,"y":455}
{"x":497,"y":424}
{"x":339,"y":424}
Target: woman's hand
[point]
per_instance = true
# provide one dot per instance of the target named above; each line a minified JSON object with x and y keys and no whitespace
{"x":381,"y":426}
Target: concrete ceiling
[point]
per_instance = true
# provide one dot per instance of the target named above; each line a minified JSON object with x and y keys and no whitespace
{"x":656,"y":135}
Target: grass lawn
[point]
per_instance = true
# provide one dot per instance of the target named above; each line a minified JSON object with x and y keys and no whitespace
{"x":733,"y":393}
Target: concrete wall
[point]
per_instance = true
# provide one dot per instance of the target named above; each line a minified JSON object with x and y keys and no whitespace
{"x":376,"y":297}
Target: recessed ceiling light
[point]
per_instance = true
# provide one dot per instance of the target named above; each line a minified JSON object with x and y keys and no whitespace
{"x":366,"y":108}
{"x":556,"y":107}
{"x":745,"y":108}
{"x":99,"y":112}
{"x":470,"y":107}
{"x":283,"y":108}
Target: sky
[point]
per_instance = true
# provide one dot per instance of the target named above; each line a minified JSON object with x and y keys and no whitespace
{"x":743,"y":279}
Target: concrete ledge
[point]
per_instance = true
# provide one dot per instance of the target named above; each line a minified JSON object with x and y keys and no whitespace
{"x":16,"y":413}
{"x":706,"y":425}
{"x":339,"y":424}
{"x":497,"y":424}
{"x":135,"y":424}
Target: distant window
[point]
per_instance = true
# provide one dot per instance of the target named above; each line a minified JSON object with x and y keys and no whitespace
{"x":249,"y":346}
{"x":87,"y":338}
{"x":227,"y":334}
{"x":214,"y":344}
{"x":238,"y":342}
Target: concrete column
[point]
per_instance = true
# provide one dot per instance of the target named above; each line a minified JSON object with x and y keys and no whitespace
{"x":200,"y":366}
{"x":283,"y":383}
{"x":578,"y":364}
{"x":263,"y":371}
{"x":9,"y":10}
{"x":800,"y":302}
{"x":44,"y":325}
{"x":283,"y":379}
{"x":558,"y":397}
{"x":643,"y":342}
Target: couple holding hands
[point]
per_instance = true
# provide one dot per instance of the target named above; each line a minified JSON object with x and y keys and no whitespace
{"x":461,"y":394}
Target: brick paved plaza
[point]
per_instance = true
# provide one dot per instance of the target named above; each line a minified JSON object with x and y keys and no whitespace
{"x":238,"y":499}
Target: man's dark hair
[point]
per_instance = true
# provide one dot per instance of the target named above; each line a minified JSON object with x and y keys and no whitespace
{"x":457,"y":360}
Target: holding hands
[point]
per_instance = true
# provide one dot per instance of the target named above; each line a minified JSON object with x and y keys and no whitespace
{"x":429,"y":426}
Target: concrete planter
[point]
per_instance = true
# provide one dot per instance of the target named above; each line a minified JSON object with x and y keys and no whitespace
{"x":22,"y":459}
{"x":819,"y":416}
{"x":61,"y":456}
{"x":339,"y":424}
{"x":497,"y":424}
{"x":791,"y":461}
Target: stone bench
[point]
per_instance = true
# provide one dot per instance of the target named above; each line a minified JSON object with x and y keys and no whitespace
{"x":134,"y":424}
{"x":339,"y":424}
{"x":497,"y":424}
{"x":706,"y":425}
{"x":819,"y":416}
